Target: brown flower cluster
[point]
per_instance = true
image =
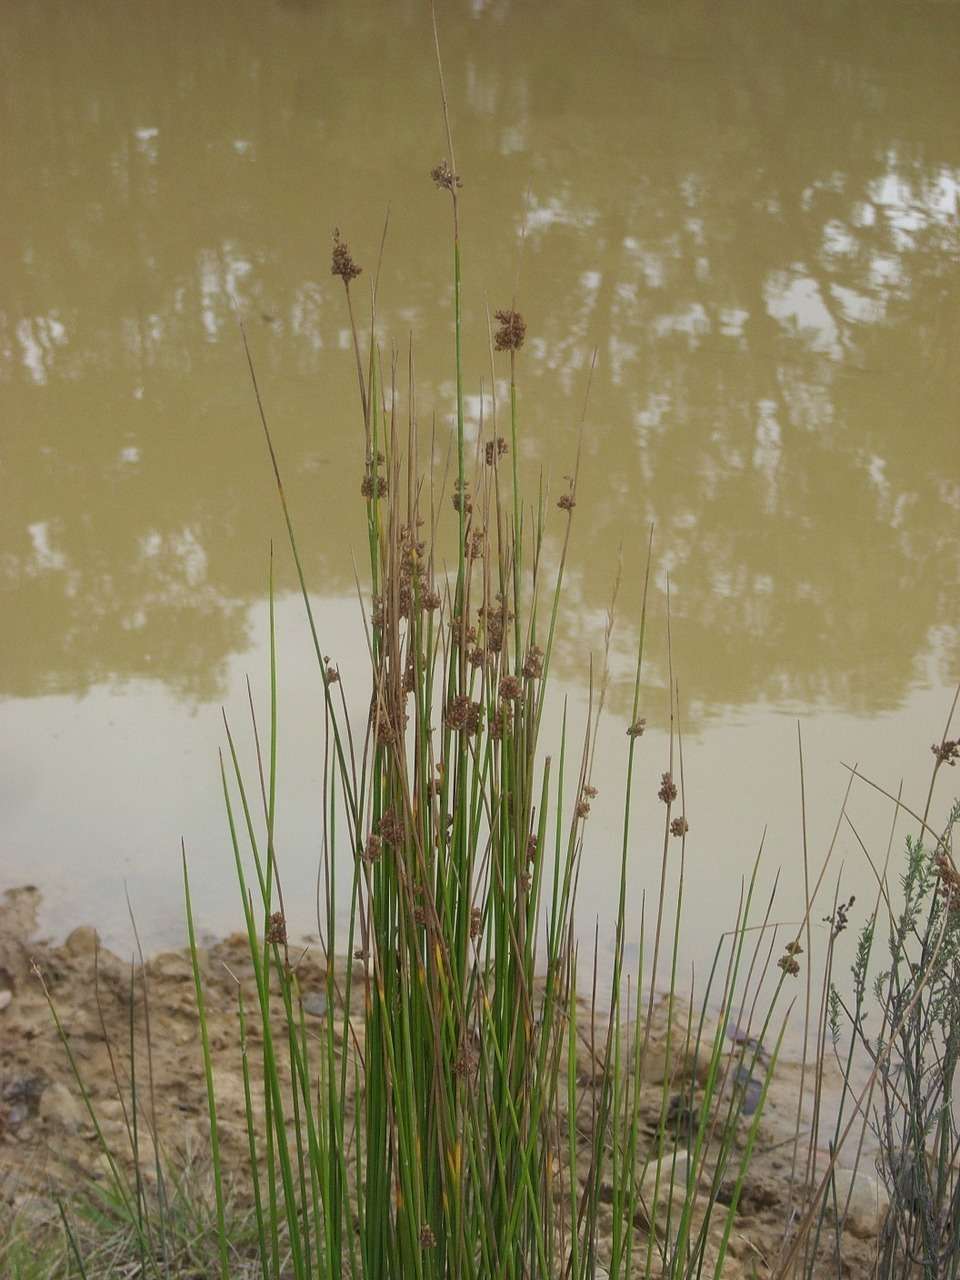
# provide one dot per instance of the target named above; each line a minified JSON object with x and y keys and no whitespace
{"x":494,"y":449}
{"x":371,"y":484}
{"x":788,"y":961}
{"x":495,"y":619}
{"x":461,"y":497}
{"x":465,"y":1064}
{"x":388,"y":731}
{"x":373,"y":848}
{"x":341,"y":263}
{"x":567,"y":501}
{"x":533,"y":663}
{"x":679,"y":826}
{"x":583,"y":804}
{"x":947,"y":751}
{"x":668,"y":788}
{"x":475,"y":923}
{"x":390,"y":828}
{"x":511,"y":688}
{"x":277,"y":929}
{"x":462,"y":715}
{"x":512,"y":330}
{"x":637,"y":728}
{"x":444,"y":177}
{"x":840,"y":918}
{"x":500,"y":722}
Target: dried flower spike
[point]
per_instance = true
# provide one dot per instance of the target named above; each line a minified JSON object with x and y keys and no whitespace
{"x":277,"y":931}
{"x":533,"y":663}
{"x":462,"y":715}
{"x":668,"y":788}
{"x":444,"y":177}
{"x":512,"y":331}
{"x":679,"y":827}
{"x":373,"y":847}
{"x":461,"y":498}
{"x":367,"y":486}
{"x":511,"y":688}
{"x":341,"y":263}
{"x":947,"y":752}
{"x":494,"y":449}
{"x":636,"y":729}
{"x":390,"y":828}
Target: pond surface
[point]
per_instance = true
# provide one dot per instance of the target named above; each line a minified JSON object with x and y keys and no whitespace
{"x":751,"y":211}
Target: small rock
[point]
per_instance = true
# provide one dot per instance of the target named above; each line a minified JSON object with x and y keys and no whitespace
{"x":673,"y":1182}
{"x":170,"y":964}
{"x":868,"y":1202}
{"x":315,"y":1003}
{"x":82,"y":942}
{"x":61,"y":1107}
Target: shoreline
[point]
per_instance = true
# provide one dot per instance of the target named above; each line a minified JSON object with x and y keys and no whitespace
{"x":48,"y":1142}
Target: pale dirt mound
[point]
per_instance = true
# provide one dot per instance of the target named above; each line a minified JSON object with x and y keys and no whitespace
{"x":48,"y":1141}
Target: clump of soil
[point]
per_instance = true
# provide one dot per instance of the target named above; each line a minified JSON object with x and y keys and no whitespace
{"x":49,"y":1143}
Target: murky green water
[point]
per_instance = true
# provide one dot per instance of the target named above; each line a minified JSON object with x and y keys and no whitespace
{"x":750,"y":210}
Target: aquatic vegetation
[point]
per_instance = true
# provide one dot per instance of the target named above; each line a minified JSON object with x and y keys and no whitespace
{"x":467,"y":1099}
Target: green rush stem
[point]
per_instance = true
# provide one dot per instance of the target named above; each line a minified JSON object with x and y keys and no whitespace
{"x":208,"y":1076}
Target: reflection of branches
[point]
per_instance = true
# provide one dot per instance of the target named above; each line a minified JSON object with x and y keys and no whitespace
{"x":695,"y":186}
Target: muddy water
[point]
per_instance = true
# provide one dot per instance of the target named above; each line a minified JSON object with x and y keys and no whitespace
{"x":751,"y":214}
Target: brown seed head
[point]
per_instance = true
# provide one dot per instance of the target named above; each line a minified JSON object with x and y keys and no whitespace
{"x":390,"y":828}
{"x":475,"y":922}
{"x":494,"y":449}
{"x":461,"y":498}
{"x":500,"y":722}
{"x":636,"y":729}
{"x":679,"y":827}
{"x":370,"y":484}
{"x":532,"y":847}
{"x":789,"y":966}
{"x":567,"y":501}
{"x":277,"y":930}
{"x":947,"y":752}
{"x":462,"y":715}
{"x":444,"y":177}
{"x":341,"y":263}
{"x":513,"y":328}
{"x":668,"y":789}
{"x":533,"y":663}
{"x":511,"y":688}
{"x":373,"y":848}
